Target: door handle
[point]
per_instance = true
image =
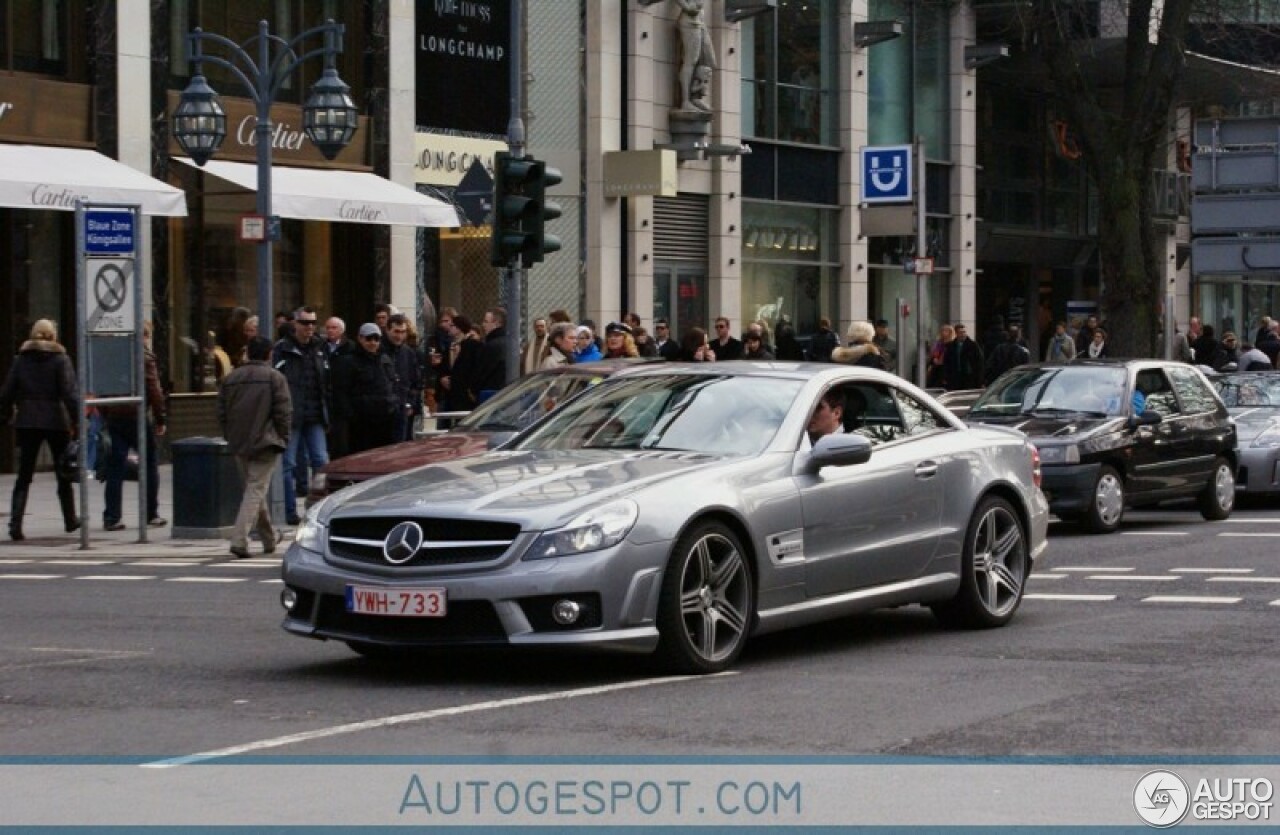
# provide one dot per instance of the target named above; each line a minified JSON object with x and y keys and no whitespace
{"x":926,"y":469}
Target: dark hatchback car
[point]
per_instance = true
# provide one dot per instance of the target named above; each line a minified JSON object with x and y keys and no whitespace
{"x":494,"y":421}
{"x":1119,"y":434}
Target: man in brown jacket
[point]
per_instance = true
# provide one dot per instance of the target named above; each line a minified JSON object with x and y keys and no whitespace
{"x":254,"y":411}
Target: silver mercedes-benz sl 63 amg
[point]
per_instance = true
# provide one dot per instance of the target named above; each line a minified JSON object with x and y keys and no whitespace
{"x":680,"y":510}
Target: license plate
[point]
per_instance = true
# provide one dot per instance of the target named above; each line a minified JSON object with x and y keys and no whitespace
{"x":400,"y":603}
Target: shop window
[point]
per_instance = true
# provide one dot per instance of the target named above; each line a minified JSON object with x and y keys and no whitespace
{"x":789,"y":83}
{"x":36,"y":37}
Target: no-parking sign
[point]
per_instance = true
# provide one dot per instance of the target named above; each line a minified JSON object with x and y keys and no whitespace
{"x":109,"y":289}
{"x":886,"y":174}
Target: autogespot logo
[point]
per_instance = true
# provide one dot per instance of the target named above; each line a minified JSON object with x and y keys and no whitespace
{"x":1161,"y":798}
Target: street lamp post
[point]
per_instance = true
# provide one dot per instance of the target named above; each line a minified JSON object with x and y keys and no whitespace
{"x":329,"y":116}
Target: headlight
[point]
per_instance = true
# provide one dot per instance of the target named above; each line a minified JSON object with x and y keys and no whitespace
{"x":601,"y":527}
{"x":1269,"y":438}
{"x":311,"y":532}
{"x":1063,"y":454}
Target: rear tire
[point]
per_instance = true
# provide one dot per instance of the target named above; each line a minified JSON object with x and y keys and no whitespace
{"x":708,"y":601}
{"x":993,"y":569}
{"x":1106,"y":502}
{"x":1219,"y":496}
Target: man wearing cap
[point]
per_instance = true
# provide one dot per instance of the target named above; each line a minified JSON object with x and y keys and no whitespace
{"x":887,"y":344}
{"x":365,"y":392}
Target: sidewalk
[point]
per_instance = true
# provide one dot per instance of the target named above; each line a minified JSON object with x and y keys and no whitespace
{"x":45,"y":537}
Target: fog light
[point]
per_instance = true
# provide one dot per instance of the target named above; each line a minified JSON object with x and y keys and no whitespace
{"x":566,"y":612}
{"x":288,"y":599}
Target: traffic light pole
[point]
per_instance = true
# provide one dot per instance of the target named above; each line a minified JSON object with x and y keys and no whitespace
{"x":514,"y":273}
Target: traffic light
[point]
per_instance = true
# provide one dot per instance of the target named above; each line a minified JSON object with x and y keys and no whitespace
{"x":521,"y":210}
{"x":540,"y":243}
{"x":513,"y":206}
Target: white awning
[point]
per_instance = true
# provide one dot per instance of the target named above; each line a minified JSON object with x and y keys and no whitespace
{"x":44,"y":177}
{"x":336,"y":196}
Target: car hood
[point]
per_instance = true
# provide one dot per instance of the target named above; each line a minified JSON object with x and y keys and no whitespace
{"x":1252,"y":421}
{"x":534,"y":488}
{"x":407,"y":455}
{"x":1064,"y":427}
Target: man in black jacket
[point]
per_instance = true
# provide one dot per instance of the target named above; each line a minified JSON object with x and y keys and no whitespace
{"x":408,"y":386}
{"x":364,"y":392}
{"x":668,"y":348}
{"x":492,"y":374}
{"x":302,"y":359}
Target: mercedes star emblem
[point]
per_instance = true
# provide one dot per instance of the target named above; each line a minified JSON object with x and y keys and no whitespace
{"x":402,"y":543}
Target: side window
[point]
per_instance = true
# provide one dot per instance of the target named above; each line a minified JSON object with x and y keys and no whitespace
{"x":1196,"y":396}
{"x":871,"y":411}
{"x":1159,"y":394}
{"x":917,"y":418}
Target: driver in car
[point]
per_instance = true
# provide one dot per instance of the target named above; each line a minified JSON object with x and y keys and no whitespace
{"x":827,"y":417}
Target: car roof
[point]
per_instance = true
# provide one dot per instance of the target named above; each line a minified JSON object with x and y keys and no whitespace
{"x":773,"y":369}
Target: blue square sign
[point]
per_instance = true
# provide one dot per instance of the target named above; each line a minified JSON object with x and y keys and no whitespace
{"x":886,"y":174}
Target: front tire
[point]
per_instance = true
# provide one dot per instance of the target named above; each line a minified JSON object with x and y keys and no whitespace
{"x":1106,"y":503}
{"x":708,"y":601}
{"x":1219,"y":496}
{"x":993,"y":569}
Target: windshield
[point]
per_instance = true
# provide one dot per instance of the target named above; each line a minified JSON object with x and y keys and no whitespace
{"x":722,"y":415}
{"x":519,"y":405}
{"x":1057,"y":389}
{"x":1248,"y":389}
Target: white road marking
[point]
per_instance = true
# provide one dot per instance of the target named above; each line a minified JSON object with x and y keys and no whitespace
{"x":1248,"y":520}
{"x":165,"y":563}
{"x":31,"y":576}
{"x":1049,"y":576}
{"x":1155,"y":578}
{"x":1173,"y":598}
{"x":95,"y":655}
{"x":1242,"y":579}
{"x":1093,"y":568}
{"x":1274,"y":603}
{"x":1085,"y":597}
{"x":15,"y":562}
{"x":423,"y":716}
{"x":1251,"y":535}
{"x":1214,"y":570}
{"x":276,"y":580}
{"x":116,"y":577}
{"x":78,"y":562}
{"x":249,"y":563}
{"x":205,"y":579}
{"x":1154,"y":533}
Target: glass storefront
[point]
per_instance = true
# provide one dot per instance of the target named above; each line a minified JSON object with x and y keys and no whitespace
{"x":1229,"y":304}
{"x":789,"y":269}
{"x":908,"y":84}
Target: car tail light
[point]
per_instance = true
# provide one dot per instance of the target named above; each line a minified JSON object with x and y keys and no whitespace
{"x":1035,"y":465}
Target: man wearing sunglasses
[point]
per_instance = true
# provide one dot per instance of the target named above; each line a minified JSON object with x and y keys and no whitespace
{"x":302,"y":359}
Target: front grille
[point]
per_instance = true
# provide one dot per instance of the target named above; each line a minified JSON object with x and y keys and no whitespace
{"x":467,"y":620}
{"x":492,"y":540}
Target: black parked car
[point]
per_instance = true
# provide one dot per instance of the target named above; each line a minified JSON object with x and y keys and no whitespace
{"x":1118,"y":434}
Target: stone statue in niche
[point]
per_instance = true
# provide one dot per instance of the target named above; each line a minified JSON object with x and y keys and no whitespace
{"x":697,"y":57}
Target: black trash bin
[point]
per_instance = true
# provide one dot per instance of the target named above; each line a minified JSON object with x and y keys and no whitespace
{"x":207,"y":488}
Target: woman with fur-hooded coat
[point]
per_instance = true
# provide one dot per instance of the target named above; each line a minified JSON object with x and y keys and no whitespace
{"x":860,"y":350}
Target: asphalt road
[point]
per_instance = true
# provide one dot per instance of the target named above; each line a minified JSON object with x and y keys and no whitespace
{"x":1156,"y":640}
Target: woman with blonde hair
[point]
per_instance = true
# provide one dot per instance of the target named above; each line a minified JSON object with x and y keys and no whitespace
{"x":42,"y":386}
{"x":861,"y":349}
{"x":618,"y":342}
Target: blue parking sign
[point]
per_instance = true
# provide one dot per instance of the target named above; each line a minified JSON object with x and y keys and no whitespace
{"x":886,"y":174}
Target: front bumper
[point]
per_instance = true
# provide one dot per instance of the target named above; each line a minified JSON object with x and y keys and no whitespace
{"x":1258,"y":472}
{"x":505,"y":605}
{"x":1069,"y":488}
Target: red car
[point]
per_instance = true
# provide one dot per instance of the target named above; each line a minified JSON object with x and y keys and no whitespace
{"x":507,"y":412}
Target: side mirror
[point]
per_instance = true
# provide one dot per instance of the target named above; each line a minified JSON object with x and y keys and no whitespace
{"x":1147,"y":418}
{"x":839,"y":451}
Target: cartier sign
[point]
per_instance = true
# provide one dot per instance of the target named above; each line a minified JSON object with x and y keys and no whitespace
{"x":289,"y":143}
{"x":41,"y":111}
